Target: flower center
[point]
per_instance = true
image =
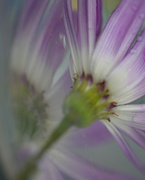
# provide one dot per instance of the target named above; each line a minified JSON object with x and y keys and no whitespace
{"x":29,"y":106}
{"x":89,"y":100}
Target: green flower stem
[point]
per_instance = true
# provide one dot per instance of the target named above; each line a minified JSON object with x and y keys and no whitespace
{"x":82,"y":107}
{"x":31,"y":166}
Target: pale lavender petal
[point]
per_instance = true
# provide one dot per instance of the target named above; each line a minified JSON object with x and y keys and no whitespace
{"x":133,"y":114}
{"x":83,"y":26}
{"x":62,"y":160}
{"x":44,"y":30}
{"x":71,"y":37}
{"x":56,"y":96}
{"x":124,"y":145}
{"x":32,"y":12}
{"x":129,"y":74}
{"x":118,"y":36}
{"x":89,"y":26}
{"x":77,"y":168}
{"x":86,"y":22}
{"x":48,"y":171}
{"x":129,"y":130}
{"x":95,"y":134}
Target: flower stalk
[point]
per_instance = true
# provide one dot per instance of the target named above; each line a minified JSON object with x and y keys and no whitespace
{"x":86,"y":103}
{"x":31,"y":166}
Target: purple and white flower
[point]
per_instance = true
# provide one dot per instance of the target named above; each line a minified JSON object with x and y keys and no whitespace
{"x":111,"y":64}
{"x":38,"y":54}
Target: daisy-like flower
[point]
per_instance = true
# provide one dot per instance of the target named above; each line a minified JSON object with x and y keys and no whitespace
{"x":37,"y":80}
{"x":38,"y":52}
{"x":108,"y":68}
{"x":37,"y":57}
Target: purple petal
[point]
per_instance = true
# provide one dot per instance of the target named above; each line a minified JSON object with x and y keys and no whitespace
{"x":71,"y":37}
{"x":32,"y":12}
{"x":132,"y":114}
{"x":118,"y":36}
{"x":83,"y":26}
{"x":129,"y":130}
{"x":56,"y":96}
{"x":130,"y":74}
{"x":92,"y":135}
{"x":124,"y":145}
{"x":44,"y":30}
{"x":62,"y":160}
{"x":84,"y":170}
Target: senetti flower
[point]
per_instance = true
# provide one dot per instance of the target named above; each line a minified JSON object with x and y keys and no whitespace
{"x":108,"y":68}
{"x":36,"y":80}
{"x":38,"y":52}
{"x":38,"y":88}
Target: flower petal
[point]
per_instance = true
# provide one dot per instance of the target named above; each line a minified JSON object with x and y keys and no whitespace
{"x":34,"y":47}
{"x":68,"y":19}
{"x":132,"y":113}
{"x":129,"y":74}
{"x":124,"y":145}
{"x":129,"y":130}
{"x":56,"y":96}
{"x":92,"y":135}
{"x":71,"y":163}
{"x":32,"y":12}
{"x":44,"y":32}
{"x":117,"y":37}
{"x":83,"y":27}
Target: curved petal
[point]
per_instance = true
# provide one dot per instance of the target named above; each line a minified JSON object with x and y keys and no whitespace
{"x":83,"y":24}
{"x":61,"y":160}
{"x":132,"y":113}
{"x":47,"y":170}
{"x":117,"y":37}
{"x":129,"y":130}
{"x":32,"y":12}
{"x":55,"y":97}
{"x":92,"y":135}
{"x":42,"y":33}
{"x":129,"y":74}
{"x":69,"y":163}
{"x":124,"y":145}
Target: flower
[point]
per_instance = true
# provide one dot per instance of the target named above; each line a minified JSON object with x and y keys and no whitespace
{"x":107,"y":68}
{"x":38,"y":53}
{"x":39,"y":84}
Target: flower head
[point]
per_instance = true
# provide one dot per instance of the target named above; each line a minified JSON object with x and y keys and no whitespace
{"x":37,"y":54}
{"x":108,"y":68}
{"x":37,"y":57}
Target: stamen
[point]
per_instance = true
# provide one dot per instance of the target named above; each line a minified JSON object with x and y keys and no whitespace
{"x":91,"y":99}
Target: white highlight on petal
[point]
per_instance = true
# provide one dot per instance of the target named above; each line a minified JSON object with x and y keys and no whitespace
{"x":28,"y":61}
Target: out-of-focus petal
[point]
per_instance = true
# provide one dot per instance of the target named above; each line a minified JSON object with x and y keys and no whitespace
{"x":124,"y":145}
{"x":61,"y":161}
{"x":92,"y":135}
{"x":84,"y":170}
{"x":43,"y":31}
{"x":128,"y":130}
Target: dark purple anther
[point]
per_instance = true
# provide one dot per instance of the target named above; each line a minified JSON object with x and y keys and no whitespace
{"x":101,"y":86}
{"x":89,"y":79}
{"x":82,"y":77}
{"x":112,"y":105}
